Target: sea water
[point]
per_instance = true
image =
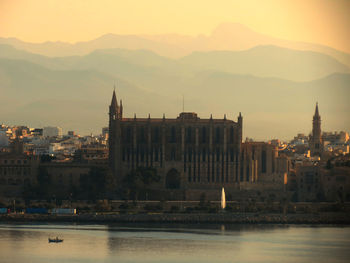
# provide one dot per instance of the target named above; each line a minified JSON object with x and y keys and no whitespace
{"x":173,"y":243}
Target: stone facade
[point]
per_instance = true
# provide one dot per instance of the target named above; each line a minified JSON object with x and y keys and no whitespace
{"x":17,"y":170}
{"x":319,"y":184}
{"x":65,"y":175}
{"x":261,"y":165}
{"x":309,"y":182}
{"x":188,"y":152}
{"x":191,"y":153}
{"x":336,"y":183}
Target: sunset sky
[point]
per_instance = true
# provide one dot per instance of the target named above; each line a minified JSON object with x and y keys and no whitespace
{"x":319,"y":21}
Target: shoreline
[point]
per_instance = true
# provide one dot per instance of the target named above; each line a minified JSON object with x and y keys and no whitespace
{"x":181,"y":218}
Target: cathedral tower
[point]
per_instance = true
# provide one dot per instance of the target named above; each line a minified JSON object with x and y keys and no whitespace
{"x":316,"y":144}
{"x":115,"y":116}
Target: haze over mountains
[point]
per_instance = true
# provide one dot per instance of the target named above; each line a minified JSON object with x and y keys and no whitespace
{"x":274,"y":83}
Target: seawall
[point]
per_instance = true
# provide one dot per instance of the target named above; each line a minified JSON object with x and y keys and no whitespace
{"x":193,"y":218}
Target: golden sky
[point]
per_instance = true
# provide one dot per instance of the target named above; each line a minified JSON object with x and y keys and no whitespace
{"x":319,"y":21}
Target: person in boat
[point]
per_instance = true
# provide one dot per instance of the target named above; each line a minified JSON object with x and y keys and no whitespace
{"x":55,"y":239}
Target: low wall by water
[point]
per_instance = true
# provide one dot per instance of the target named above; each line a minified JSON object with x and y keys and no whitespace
{"x":227,"y":218}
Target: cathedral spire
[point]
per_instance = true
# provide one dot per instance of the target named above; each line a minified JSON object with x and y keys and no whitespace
{"x":316,"y":143}
{"x":114,"y":103}
{"x":316,"y":111}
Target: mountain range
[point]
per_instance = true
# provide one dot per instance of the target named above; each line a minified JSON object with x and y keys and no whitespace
{"x":227,"y":36}
{"x":274,"y":83}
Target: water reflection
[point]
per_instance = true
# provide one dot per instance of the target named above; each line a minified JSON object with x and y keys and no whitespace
{"x":174,"y":243}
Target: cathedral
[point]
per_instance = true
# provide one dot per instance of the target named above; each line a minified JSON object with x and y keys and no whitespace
{"x":193,"y":155}
{"x":188,"y":152}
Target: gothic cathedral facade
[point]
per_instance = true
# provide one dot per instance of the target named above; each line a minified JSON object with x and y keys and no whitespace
{"x":188,"y":152}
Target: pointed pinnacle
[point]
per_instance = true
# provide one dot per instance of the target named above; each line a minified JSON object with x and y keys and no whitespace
{"x":316,"y":110}
{"x":114,"y":102}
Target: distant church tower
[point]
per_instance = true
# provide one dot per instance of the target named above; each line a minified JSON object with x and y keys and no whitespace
{"x":316,"y":144}
{"x":115,"y":116}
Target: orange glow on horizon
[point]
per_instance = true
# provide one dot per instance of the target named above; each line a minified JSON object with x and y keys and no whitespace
{"x":317,"y":21}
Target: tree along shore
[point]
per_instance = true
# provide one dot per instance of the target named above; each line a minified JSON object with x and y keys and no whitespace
{"x":338,"y":218}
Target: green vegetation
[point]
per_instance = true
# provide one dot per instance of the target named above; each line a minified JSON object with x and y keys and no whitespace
{"x":94,"y":185}
{"x":139,"y":181}
{"x":42,"y":190}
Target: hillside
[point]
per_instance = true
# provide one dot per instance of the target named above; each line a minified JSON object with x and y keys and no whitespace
{"x":78,"y":98}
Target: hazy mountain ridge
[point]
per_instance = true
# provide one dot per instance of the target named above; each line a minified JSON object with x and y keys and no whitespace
{"x":74,"y":99}
{"x":237,"y":37}
{"x":61,"y":49}
{"x":274,"y":87}
{"x":262,"y":61}
{"x":227,"y":36}
{"x":78,"y":98}
{"x":268,"y":61}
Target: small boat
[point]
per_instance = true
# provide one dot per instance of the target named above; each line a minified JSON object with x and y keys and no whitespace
{"x":55,"y":240}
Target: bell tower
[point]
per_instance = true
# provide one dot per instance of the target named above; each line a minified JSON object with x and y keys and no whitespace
{"x":316,"y":143}
{"x":115,"y":116}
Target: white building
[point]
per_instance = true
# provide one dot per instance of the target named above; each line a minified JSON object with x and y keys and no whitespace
{"x":52,"y":132}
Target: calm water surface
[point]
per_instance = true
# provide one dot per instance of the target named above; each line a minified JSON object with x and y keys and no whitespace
{"x":174,"y":243}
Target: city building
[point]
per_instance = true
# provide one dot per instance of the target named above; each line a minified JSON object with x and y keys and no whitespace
{"x":52,"y":132}
{"x":17,"y":170}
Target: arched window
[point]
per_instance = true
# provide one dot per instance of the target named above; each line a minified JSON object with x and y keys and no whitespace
{"x":155,"y":135}
{"x":142,"y":153}
{"x":128,"y":134}
{"x":173,"y":154}
{"x":173,"y":134}
{"x":190,"y":155}
{"x":204,"y":134}
{"x":141,"y":135}
{"x":217,"y":135}
{"x":263,"y":161}
{"x":128,"y":156}
{"x":188,"y":134}
{"x":231,"y":154}
{"x":156,"y":154}
{"x":231,"y":134}
{"x":123,"y":154}
{"x":217,"y":154}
